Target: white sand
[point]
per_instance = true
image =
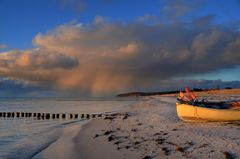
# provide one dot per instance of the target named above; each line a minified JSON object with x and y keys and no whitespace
{"x":153,"y":130}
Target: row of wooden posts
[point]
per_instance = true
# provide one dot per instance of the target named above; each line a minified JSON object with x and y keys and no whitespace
{"x":47,"y":115}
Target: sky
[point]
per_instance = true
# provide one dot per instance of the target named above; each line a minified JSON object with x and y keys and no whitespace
{"x":106,"y":47}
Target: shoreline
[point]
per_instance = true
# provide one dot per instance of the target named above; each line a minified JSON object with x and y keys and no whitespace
{"x":90,"y":145}
{"x":63,"y":147}
{"x":152,"y":130}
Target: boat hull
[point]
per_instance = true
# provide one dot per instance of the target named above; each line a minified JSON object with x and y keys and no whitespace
{"x":191,"y":113}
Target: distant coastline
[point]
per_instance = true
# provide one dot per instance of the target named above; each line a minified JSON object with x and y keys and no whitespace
{"x":136,"y":94}
{"x":197,"y":90}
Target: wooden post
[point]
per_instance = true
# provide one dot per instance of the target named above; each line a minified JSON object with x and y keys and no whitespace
{"x":47,"y":116}
{"x":88,"y":116}
{"x":63,"y":116}
{"x":43,"y":115}
{"x":71,"y":116}
{"x":53,"y":116}
{"x":76,"y":116}
{"x":8,"y":114}
{"x":13,"y":114}
{"x":39,"y":115}
{"x":57,"y":116}
{"x":34,"y":114}
{"x":1,"y":114}
{"x":99,"y":115}
{"x":18,"y":114}
{"x":22,"y":114}
{"x":82,"y":116}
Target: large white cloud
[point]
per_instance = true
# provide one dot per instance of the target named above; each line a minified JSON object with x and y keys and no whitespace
{"x":116,"y":57}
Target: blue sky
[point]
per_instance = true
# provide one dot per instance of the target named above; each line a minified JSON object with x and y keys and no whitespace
{"x":22,"y":20}
{"x":33,"y":29}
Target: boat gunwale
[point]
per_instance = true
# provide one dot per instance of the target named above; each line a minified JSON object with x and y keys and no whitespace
{"x":196,"y":118}
{"x":214,"y":109}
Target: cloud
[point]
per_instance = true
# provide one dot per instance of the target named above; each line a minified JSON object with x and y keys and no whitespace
{"x":174,"y":10}
{"x":116,"y":57}
{"x":203,"y":84}
{"x":204,"y":20}
{"x":36,"y":59}
{"x":99,"y":20}
{"x":147,"y":17}
{"x":130,"y":48}
{"x":77,"y":6}
{"x":17,"y":88}
{"x":3,"y":46}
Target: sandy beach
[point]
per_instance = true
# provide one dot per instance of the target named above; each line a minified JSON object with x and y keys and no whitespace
{"x":108,"y":79}
{"x":151,"y":129}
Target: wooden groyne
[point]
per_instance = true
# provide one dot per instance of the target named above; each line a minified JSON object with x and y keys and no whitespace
{"x":38,"y":115}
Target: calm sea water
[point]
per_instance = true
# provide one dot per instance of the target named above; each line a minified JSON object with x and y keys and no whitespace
{"x":26,"y":137}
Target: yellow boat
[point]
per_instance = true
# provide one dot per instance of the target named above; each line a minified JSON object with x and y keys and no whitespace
{"x":190,"y":113}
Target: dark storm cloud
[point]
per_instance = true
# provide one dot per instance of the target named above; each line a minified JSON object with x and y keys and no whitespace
{"x":203,"y":84}
{"x":16,"y":88}
{"x":116,"y":57}
{"x":103,"y":58}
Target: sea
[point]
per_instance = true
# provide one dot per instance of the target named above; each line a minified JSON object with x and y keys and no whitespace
{"x":27,"y":136}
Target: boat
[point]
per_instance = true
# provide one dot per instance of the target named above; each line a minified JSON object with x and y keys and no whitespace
{"x":191,"y":109}
{"x":192,"y":113}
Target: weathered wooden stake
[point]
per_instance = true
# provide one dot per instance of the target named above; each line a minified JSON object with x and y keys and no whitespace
{"x":8,"y":114}
{"x":82,"y":116}
{"x":76,"y":116}
{"x":88,"y":116}
{"x":47,"y":116}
